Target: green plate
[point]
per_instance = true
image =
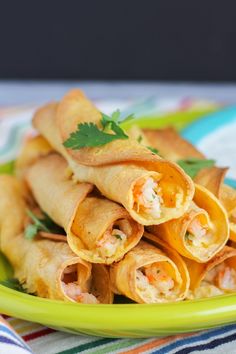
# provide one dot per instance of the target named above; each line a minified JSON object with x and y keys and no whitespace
{"x":118,"y":320}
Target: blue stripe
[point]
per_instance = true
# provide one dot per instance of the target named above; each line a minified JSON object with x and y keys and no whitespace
{"x":194,"y":339}
{"x":202,"y":127}
{"x":213,"y":344}
{"x":230,"y":182}
{"x":6,"y":340}
{"x":11,"y":333}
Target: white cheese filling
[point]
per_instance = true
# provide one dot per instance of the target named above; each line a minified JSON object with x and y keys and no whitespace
{"x":111,"y":243}
{"x":154,"y":282}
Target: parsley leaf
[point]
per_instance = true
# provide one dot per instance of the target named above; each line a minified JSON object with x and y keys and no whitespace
{"x":89,"y":135}
{"x":14,"y":284}
{"x":40,"y":224}
{"x":193,"y":165}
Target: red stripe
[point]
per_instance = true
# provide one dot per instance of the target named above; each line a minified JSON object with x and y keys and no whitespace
{"x":5,"y":316}
{"x":38,"y":334}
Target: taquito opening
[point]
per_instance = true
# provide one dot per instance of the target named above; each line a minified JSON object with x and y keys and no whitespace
{"x":113,"y":240}
{"x":73,"y":288}
{"x":157,"y":281}
{"x":219,"y":280}
{"x":152,"y":197}
{"x":200,"y":236}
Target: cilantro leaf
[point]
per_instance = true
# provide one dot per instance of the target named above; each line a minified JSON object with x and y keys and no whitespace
{"x":14,"y":284}
{"x":153,"y":150}
{"x":44,"y":224}
{"x":7,"y":168}
{"x":193,"y":165}
{"x":88,"y":135}
{"x":140,"y":138}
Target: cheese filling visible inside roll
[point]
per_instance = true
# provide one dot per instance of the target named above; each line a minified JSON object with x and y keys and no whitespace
{"x":155,"y":281}
{"x":147,"y":197}
{"x":219,"y":280}
{"x":223,"y":277}
{"x":114,"y":239}
{"x":73,"y":289}
{"x":111,"y":242}
{"x":198,"y":234}
{"x":151,"y":198}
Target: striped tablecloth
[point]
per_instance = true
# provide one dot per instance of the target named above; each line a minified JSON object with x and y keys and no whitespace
{"x":42,"y":340}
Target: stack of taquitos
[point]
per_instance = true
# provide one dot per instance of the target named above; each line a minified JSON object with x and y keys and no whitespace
{"x":152,"y":190}
{"x":80,"y":191}
{"x":46,"y":268}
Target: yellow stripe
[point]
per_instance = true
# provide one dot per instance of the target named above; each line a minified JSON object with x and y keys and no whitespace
{"x":29,"y":328}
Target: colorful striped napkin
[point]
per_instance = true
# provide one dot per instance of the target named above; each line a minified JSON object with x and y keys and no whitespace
{"x":10,"y":342}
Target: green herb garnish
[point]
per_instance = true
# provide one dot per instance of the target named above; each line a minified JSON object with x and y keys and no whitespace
{"x":14,"y":284}
{"x":188,"y":236}
{"x":193,"y":165}
{"x":140,"y":138}
{"x":153,"y":150}
{"x":89,"y":134}
{"x":118,"y":237}
{"x":40,"y":224}
{"x":7,"y":168}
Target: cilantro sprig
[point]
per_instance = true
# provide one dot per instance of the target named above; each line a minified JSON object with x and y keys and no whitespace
{"x":89,"y":134}
{"x":40,"y":224}
{"x":153,"y":150}
{"x":193,"y":165}
{"x":14,"y":284}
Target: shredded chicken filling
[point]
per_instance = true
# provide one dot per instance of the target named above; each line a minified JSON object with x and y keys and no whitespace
{"x":73,"y":290}
{"x":154,"y":282}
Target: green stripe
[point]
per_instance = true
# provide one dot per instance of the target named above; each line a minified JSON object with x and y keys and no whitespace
{"x":12,"y":137}
{"x":125,"y":343}
{"x":87,"y":346}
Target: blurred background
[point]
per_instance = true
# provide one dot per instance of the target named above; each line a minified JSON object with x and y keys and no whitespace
{"x":162,"y":40}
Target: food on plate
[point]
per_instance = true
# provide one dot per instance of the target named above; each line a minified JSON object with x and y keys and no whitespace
{"x":177,"y":149}
{"x":216,"y":277}
{"x":147,"y":275}
{"x":95,"y":211}
{"x":98,"y":230}
{"x":151,"y":189}
{"x":201,"y":232}
{"x":46,"y":268}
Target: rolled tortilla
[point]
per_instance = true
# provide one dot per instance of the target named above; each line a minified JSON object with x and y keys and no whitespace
{"x":228,"y":199}
{"x":98,"y":230}
{"x":172,"y":146}
{"x":201,"y":232}
{"x":216,"y":277}
{"x":168,"y":142}
{"x":147,"y":275}
{"x":175,"y":257}
{"x":152,"y":190}
{"x":31,"y":150}
{"x":46,"y":268}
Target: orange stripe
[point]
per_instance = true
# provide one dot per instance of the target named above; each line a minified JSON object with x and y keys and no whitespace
{"x":155,"y":343}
